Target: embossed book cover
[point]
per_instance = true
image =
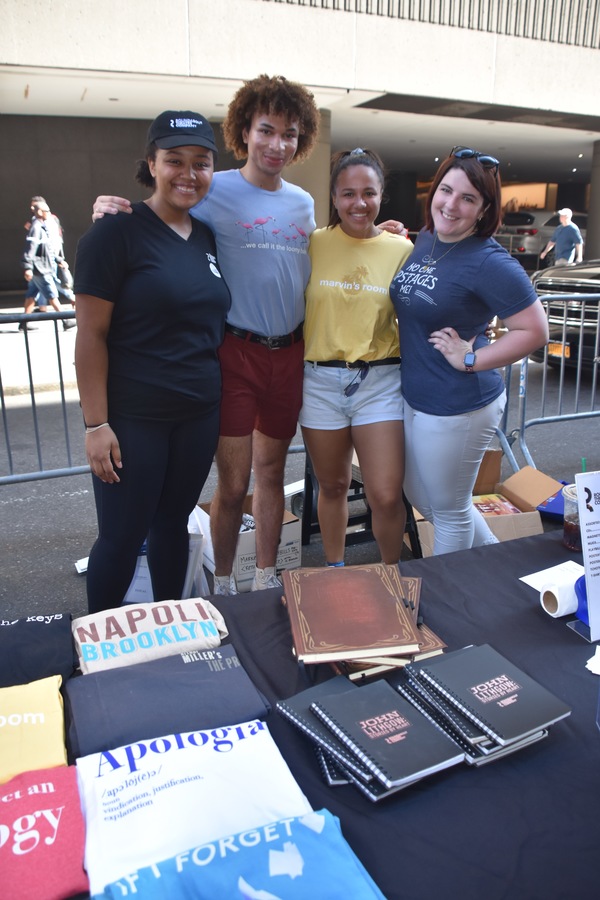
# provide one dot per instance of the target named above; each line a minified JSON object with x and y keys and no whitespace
{"x":354,"y":612}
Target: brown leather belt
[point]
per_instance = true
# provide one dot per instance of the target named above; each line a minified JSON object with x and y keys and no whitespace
{"x":273,"y":343}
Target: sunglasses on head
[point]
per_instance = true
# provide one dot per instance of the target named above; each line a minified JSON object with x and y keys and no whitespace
{"x":488,"y":162}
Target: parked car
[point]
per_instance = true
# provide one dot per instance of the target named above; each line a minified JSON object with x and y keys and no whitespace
{"x":572,"y":322}
{"x":527,"y":231}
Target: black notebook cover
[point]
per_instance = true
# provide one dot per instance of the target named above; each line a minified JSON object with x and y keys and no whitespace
{"x":297,"y":710}
{"x":475,"y":754}
{"x":499,"y":697}
{"x":388,"y":735}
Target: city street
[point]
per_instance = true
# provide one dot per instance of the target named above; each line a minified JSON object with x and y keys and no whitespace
{"x":48,"y":524}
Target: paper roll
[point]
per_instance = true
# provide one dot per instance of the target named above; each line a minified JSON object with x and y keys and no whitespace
{"x":559,"y":598}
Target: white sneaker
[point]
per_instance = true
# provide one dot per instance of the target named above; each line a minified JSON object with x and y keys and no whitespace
{"x":265,"y":578}
{"x":224,"y":585}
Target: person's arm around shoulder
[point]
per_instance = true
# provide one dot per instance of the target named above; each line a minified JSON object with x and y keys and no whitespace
{"x":393,"y":226}
{"x":91,"y":363}
{"x":108,"y":205}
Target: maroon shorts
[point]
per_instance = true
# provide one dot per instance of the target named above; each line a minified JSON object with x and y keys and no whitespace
{"x":262,"y":388}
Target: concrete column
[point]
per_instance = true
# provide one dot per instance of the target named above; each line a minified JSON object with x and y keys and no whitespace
{"x":591,"y":249}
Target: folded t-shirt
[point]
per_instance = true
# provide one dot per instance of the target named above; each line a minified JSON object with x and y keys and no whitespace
{"x":43,"y":836}
{"x":34,"y":647}
{"x":150,"y":800}
{"x":32,"y":732}
{"x":294,"y":859}
{"x":137,"y":633}
{"x":190,"y":691}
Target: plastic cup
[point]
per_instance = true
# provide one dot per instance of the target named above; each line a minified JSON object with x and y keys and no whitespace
{"x":571,"y":530}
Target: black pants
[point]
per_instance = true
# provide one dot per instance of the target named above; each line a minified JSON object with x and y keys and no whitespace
{"x":165,"y":466}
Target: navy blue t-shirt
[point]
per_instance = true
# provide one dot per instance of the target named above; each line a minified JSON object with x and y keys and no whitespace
{"x":472,"y":281}
{"x":170,"y":303}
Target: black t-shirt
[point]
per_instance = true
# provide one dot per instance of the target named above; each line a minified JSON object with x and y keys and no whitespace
{"x":170,"y":303}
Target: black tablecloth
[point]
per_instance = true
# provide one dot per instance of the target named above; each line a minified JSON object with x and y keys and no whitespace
{"x":523,"y":827}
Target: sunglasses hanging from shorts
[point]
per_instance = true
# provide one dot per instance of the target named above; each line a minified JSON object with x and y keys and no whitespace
{"x":488,"y":162}
{"x":356,"y":382}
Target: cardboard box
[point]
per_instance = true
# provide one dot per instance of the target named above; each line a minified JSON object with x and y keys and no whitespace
{"x":526,"y":489}
{"x":289,"y":553}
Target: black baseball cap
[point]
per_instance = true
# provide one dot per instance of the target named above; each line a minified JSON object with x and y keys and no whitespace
{"x":177,"y":128}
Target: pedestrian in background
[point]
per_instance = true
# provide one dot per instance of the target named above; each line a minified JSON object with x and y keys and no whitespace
{"x":566,"y":241}
{"x":43,"y":254}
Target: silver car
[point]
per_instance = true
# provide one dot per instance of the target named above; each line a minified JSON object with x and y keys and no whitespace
{"x":574,"y":324}
{"x":527,"y":231}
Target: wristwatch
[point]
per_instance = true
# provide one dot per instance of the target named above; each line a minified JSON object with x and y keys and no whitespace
{"x":469,"y":361}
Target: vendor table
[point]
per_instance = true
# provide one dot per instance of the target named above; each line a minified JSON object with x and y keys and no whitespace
{"x":523,"y":827}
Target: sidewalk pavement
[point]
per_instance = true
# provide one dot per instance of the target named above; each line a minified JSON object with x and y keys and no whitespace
{"x":46,"y":349}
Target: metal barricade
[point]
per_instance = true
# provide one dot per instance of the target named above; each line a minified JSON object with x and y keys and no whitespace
{"x":566,"y":373}
{"x":38,"y":398}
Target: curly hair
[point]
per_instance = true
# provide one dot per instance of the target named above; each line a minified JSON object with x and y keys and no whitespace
{"x":277,"y":96}
{"x":342,"y":160}
{"x":486,"y":181}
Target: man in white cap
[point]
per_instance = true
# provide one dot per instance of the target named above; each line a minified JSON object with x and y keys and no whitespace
{"x":566,"y":239}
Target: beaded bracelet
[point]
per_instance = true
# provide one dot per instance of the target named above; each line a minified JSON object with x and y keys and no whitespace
{"x":91,"y":428}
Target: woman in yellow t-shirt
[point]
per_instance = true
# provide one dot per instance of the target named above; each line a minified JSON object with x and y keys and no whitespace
{"x":352,"y":399}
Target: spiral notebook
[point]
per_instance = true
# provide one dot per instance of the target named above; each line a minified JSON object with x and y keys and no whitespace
{"x":396,"y":742}
{"x":501,"y":699}
{"x":297,"y":710}
{"x":475,"y":754}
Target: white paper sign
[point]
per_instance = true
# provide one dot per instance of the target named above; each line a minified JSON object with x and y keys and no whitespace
{"x":588,"y":502}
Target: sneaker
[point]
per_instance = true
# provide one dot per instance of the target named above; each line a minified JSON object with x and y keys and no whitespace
{"x":69,"y":323}
{"x":265,"y":578}
{"x":25,"y":327}
{"x":224,"y":586}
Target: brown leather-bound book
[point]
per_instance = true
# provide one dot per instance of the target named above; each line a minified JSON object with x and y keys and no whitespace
{"x":353,"y":612}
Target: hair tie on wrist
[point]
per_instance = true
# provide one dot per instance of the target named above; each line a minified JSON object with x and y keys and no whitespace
{"x":91,"y":428}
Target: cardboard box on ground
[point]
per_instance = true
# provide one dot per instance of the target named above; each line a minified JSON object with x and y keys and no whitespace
{"x":289,"y":553}
{"x":526,"y":489}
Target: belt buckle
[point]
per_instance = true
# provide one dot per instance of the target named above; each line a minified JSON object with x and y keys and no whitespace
{"x":274,"y":343}
{"x":357,"y":364}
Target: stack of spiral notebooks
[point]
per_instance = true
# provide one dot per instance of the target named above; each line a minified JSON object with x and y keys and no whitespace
{"x":470,"y":705}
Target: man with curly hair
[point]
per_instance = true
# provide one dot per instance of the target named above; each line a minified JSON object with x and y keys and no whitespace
{"x":262,"y":225}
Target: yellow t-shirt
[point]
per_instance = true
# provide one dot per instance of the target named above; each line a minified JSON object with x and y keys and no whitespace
{"x":349,"y":314}
{"x":32,"y":727}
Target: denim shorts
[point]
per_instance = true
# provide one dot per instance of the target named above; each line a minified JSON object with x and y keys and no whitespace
{"x":325,"y":407}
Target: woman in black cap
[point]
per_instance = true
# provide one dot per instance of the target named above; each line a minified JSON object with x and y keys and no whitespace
{"x":151,"y":307}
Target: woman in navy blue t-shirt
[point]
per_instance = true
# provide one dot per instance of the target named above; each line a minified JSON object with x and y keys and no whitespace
{"x":151,"y":306}
{"x":454,"y":283}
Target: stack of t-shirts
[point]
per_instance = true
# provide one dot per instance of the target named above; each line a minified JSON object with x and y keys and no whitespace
{"x":189,"y":691}
{"x":148,"y":801}
{"x":138,"y":633}
{"x":293,"y":859}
